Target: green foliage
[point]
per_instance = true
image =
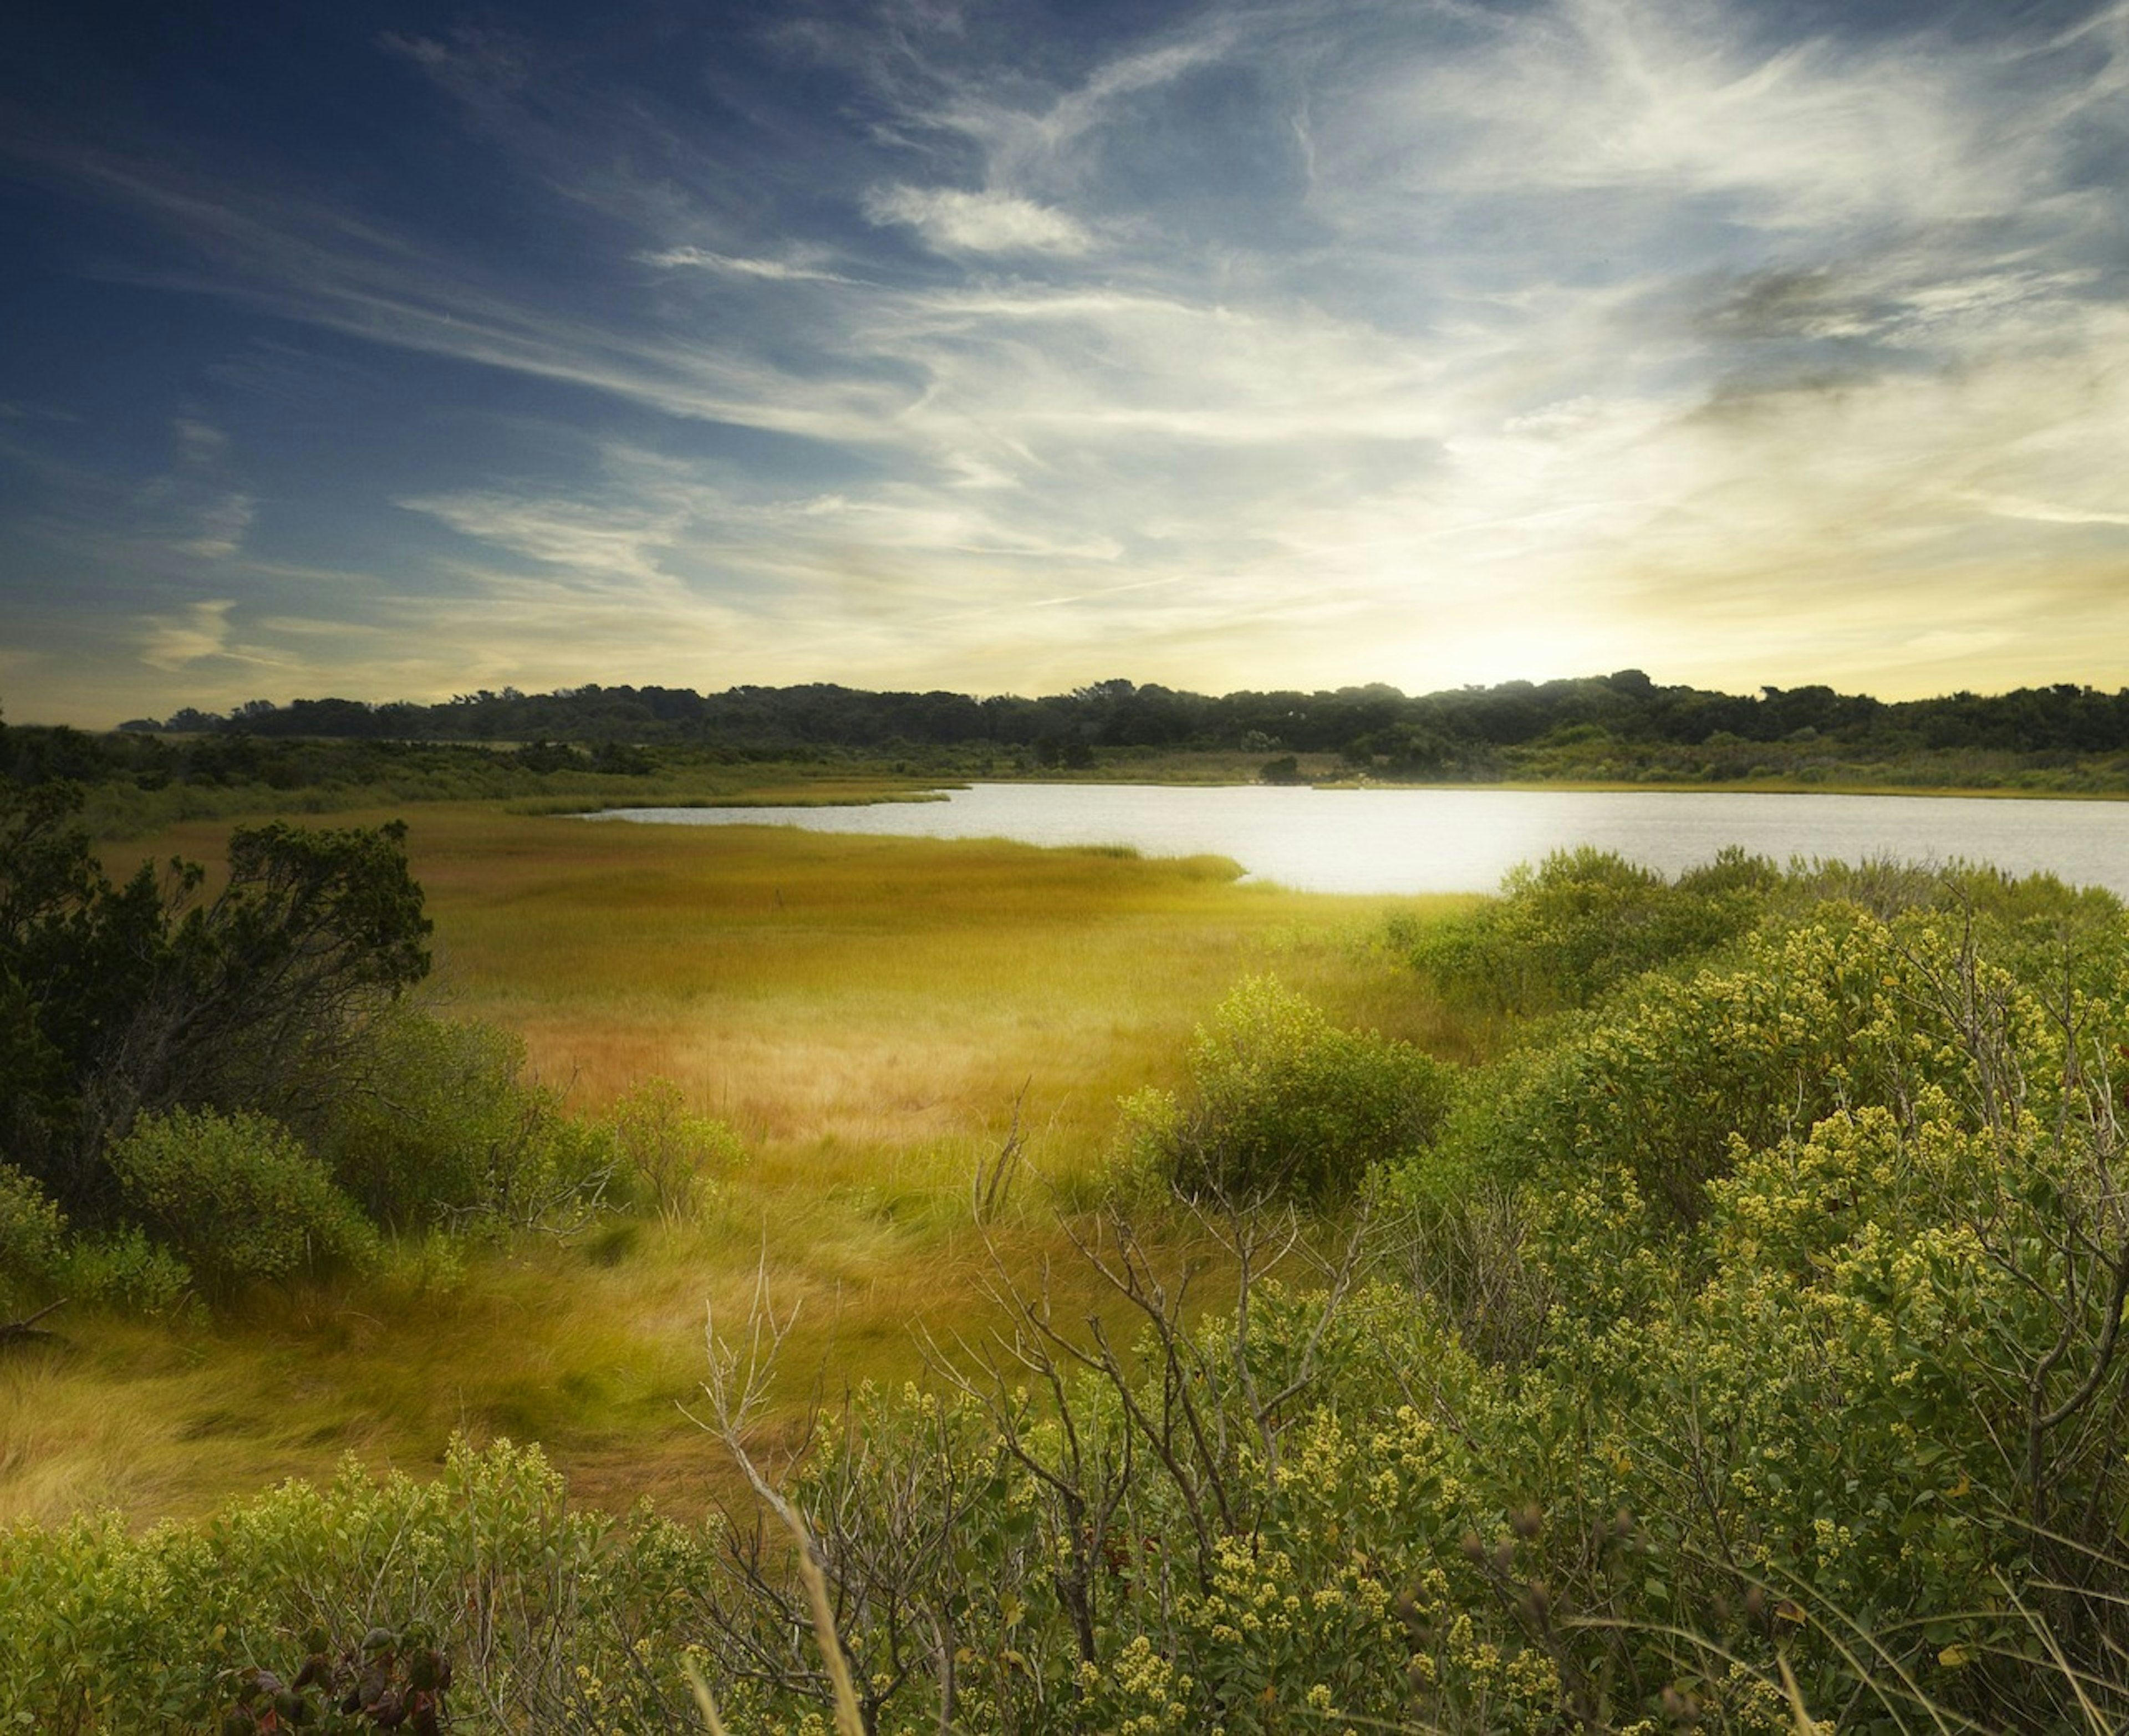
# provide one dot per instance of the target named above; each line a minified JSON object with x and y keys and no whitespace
{"x":1843,"y":1012}
{"x":1284,"y":1103}
{"x":136,"y":1018}
{"x":1584,"y":921}
{"x":238,"y":1198}
{"x":1815,"y":1262}
{"x":123,"y":1269}
{"x":437,"y":1123}
{"x":1833,"y":1432}
{"x":121,"y":1000}
{"x":1237,"y":1567}
{"x":1755,"y":1358}
{"x":40,"y":1261}
{"x":1802,"y":1282}
{"x":671,"y":1157}
{"x":533,"y":1607}
{"x":32,"y":1239}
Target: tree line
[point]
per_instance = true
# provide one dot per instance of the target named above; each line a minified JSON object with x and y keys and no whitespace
{"x":1456,"y":732}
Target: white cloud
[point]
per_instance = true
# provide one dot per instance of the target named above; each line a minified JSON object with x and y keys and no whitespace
{"x":776,"y":271}
{"x":1666,"y":103}
{"x":953,"y":221}
{"x":200,"y":444}
{"x":2045,"y":513}
{"x":600,"y":542}
{"x":177,"y":642}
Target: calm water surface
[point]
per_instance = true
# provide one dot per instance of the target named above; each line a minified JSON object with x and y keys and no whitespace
{"x":1465,"y":840}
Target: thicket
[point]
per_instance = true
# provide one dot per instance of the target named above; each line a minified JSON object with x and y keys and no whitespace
{"x":205,"y":1089}
{"x":1565,"y":934}
{"x":1739,"y":1350}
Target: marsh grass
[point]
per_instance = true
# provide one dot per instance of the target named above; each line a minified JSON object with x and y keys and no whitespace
{"x":870,"y":1015}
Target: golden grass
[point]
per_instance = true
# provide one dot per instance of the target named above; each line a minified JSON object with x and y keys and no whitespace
{"x":867,"y":1012}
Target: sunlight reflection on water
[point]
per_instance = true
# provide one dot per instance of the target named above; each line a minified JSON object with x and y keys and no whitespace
{"x":1465,"y":840}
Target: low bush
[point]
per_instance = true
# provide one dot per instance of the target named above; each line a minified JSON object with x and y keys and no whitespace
{"x":123,"y":1269}
{"x":33,"y":1240}
{"x":671,"y":1157}
{"x":238,"y":1199}
{"x":1284,"y":1103}
{"x":483,"y":1575}
{"x":440,"y":1125}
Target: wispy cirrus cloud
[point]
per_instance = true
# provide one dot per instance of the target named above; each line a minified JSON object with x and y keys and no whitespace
{"x":774,"y":271}
{"x":218,"y":528}
{"x":177,"y":642}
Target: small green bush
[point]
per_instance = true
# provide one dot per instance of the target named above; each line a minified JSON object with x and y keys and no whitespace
{"x":32,"y":1239}
{"x":237,"y":1198}
{"x":671,"y":1158}
{"x":124,"y":1270}
{"x":39,"y":1259}
{"x":1286,"y":1104}
{"x":442,"y":1125}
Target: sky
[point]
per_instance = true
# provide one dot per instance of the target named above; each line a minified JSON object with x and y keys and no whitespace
{"x":388,"y":350}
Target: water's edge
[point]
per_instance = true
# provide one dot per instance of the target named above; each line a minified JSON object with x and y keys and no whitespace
{"x":1396,"y":840}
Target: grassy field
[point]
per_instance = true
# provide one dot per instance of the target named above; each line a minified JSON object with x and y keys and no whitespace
{"x":870,"y":1014}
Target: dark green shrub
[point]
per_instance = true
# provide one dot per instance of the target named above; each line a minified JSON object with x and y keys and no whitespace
{"x":120,"y":999}
{"x":237,"y":1198}
{"x":440,"y":1125}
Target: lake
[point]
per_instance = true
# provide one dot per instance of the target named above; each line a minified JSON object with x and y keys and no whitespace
{"x":1465,"y":840}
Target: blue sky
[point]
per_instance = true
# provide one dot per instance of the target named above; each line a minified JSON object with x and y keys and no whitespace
{"x":394,"y":351}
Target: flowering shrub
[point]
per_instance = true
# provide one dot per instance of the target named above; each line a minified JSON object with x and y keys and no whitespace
{"x":482,"y":1579}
